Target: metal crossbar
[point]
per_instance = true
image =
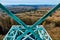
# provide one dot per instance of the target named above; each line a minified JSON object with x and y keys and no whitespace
{"x":13,"y":16}
{"x":22,"y":23}
{"x":45,"y":16}
{"x":41,"y":32}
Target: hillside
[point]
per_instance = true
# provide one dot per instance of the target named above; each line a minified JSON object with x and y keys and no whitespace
{"x":52,"y":23}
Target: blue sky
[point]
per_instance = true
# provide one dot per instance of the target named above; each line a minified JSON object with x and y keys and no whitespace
{"x":32,"y":2}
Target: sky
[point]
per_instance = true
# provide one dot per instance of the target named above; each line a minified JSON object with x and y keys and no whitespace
{"x":31,"y":2}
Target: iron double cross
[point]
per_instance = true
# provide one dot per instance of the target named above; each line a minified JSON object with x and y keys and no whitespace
{"x":34,"y":26}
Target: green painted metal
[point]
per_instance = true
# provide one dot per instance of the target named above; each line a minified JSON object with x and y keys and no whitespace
{"x":45,"y":16}
{"x":22,"y":23}
{"x":12,"y":15}
{"x":12,"y":34}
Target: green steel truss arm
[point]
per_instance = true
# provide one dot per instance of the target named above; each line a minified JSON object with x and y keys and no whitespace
{"x":45,"y":16}
{"x":34,"y":25}
{"x":13,"y":16}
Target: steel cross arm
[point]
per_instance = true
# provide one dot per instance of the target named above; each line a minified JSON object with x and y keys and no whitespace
{"x":27,"y":31}
{"x":18,"y":20}
{"x":45,"y":16}
{"x":13,"y":16}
